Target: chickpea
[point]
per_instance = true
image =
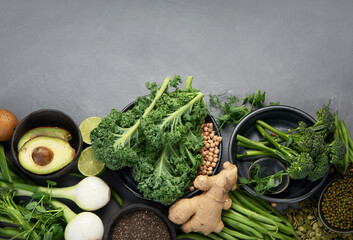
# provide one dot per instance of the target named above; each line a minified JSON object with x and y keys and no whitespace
{"x":208,"y":163}
{"x":192,"y":188}
{"x":206,"y":133}
{"x":212,"y":145}
{"x":205,"y":129}
{"x":211,"y":134}
{"x":213,"y":164}
{"x":204,"y":172}
{"x":209,"y":172}
{"x":219,"y":139}
{"x":208,"y":145}
{"x":211,"y":149}
{"x":216,"y":150}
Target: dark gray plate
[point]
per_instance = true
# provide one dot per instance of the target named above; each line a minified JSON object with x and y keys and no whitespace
{"x":282,"y":118}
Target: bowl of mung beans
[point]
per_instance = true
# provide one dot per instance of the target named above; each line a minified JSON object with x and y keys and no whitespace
{"x":335,"y":205}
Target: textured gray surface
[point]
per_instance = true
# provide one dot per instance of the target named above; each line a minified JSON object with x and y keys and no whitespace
{"x":86,"y":57}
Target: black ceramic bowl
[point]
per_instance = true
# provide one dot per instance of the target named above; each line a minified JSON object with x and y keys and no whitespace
{"x":47,"y":118}
{"x":282,"y":118}
{"x":121,"y":213}
{"x":125,"y":174}
{"x":321,"y":214}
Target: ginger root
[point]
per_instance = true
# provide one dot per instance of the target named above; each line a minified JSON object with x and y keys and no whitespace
{"x":202,"y":213}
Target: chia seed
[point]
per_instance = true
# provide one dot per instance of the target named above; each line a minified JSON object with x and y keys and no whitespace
{"x":141,"y":225}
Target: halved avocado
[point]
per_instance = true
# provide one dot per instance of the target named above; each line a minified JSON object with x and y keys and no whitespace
{"x":43,"y":155}
{"x":44,"y":131}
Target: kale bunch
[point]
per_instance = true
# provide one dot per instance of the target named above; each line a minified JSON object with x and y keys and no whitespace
{"x":159,"y":138}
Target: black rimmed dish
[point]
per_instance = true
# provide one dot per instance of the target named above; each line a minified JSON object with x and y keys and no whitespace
{"x":47,"y":118}
{"x":134,"y":217}
{"x":349,"y":202}
{"x":283,"y":118}
{"x":270,"y":166}
{"x":125,"y":174}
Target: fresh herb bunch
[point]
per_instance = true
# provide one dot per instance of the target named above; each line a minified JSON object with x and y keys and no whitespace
{"x":30,"y":220}
{"x":234,"y":109}
{"x":159,"y":138}
{"x":307,"y":151}
{"x":262,"y":184}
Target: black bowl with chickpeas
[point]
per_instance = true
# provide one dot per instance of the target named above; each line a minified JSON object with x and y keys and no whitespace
{"x":211,"y":152}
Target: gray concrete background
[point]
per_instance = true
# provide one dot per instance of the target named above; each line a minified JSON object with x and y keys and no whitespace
{"x":86,"y":57}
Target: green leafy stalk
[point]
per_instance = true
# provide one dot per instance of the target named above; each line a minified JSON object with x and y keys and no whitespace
{"x":6,"y":175}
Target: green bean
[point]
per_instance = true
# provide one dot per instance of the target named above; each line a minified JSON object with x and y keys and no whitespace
{"x":251,"y":206}
{"x":271,"y":209}
{"x":214,"y":236}
{"x":238,"y":234}
{"x":241,"y":218}
{"x":226,"y":236}
{"x":242,"y":227}
{"x":251,"y":214}
{"x":253,"y":201}
{"x":193,"y":236}
{"x":268,"y":226}
{"x":280,"y":236}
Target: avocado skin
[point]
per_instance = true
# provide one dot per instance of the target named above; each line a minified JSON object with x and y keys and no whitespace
{"x":63,"y":154}
{"x":44,"y":131}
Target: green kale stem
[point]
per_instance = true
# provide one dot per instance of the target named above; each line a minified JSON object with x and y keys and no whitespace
{"x":158,"y":95}
{"x":188,"y":82}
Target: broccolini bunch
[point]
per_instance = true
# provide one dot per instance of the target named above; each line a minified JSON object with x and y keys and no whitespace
{"x":307,"y":151}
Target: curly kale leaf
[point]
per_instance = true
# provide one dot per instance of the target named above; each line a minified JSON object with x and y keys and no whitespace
{"x":116,"y":141}
{"x":168,"y":178}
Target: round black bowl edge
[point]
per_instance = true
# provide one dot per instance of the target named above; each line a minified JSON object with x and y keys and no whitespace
{"x":130,"y":208}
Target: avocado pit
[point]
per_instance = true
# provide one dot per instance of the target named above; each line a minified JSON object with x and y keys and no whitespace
{"x":42,"y":155}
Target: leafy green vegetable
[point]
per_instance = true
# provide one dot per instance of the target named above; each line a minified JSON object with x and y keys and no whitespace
{"x":32,"y":220}
{"x":234,"y":109}
{"x":159,"y":138}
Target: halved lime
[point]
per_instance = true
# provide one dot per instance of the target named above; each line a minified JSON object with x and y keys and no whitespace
{"x":87,"y":126}
{"x":88,"y":164}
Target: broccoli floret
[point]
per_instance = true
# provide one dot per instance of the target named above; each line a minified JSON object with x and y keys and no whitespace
{"x":300,"y":166}
{"x":310,"y":142}
{"x":321,"y":167}
{"x":325,"y":122}
{"x":336,"y":151}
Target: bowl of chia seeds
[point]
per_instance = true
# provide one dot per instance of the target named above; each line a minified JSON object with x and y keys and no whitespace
{"x":139,"y":221}
{"x":335,"y":206}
